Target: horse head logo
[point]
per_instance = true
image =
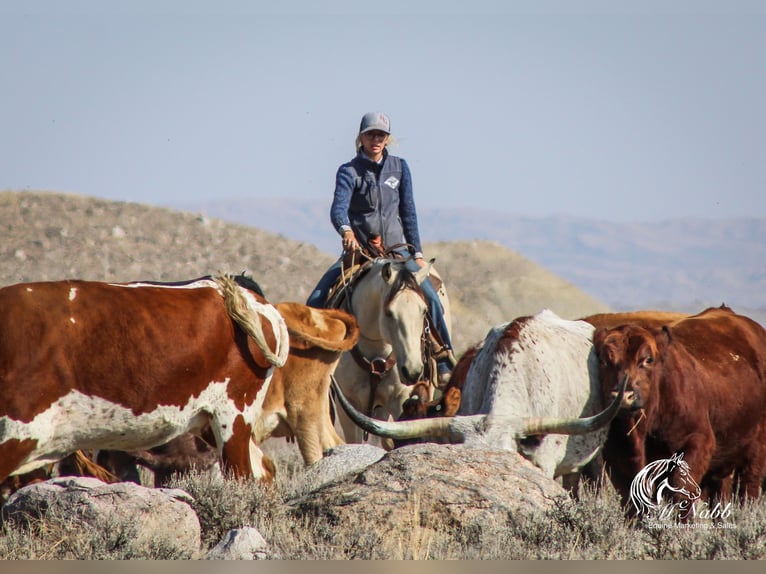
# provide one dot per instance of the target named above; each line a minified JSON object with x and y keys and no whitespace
{"x":664,"y":483}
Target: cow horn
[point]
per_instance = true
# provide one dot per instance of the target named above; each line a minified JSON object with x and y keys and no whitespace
{"x":457,"y":428}
{"x":538,"y":425}
{"x":397,"y":430}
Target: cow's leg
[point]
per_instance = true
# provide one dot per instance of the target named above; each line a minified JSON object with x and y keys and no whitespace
{"x":751,"y":474}
{"x":698,"y":452}
{"x":313,"y":429}
{"x":330,"y":438}
{"x":235,"y":452}
{"x":308,"y":434}
{"x":315,"y":438}
{"x":13,"y":452}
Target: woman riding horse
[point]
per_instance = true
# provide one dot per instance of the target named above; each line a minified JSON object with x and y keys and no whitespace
{"x":374,"y":209}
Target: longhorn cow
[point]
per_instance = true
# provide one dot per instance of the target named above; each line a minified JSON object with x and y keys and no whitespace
{"x":532,"y":388}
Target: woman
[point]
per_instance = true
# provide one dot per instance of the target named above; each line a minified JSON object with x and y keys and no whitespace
{"x":374,"y":208}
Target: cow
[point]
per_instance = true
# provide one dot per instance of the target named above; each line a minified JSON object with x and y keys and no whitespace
{"x":695,"y":386}
{"x":596,"y":470}
{"x":181,"y":455}
{"x":529,"y":368}
{"x":448,"y":403}
{"x":296,"y":405}
{"x":125,"y":366}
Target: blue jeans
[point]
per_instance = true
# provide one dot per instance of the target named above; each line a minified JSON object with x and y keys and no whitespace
{"x":318,"y":297}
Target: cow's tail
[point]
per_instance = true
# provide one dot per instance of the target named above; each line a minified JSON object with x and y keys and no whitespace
{"x":247,"y":312}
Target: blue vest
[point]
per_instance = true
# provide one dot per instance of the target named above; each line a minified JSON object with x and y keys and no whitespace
{"x":374,"y":207}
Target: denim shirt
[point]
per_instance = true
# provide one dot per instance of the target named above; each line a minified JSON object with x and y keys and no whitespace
{"x":376,"y":199}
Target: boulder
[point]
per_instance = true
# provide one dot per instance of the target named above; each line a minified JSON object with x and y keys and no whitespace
{"x":156,"y":516}
{"x":427,"y":485}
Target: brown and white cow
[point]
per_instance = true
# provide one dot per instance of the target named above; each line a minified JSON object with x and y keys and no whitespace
{"x":89,"y":365}
{"x":697,"y":386}
{"x":531,"y":388}
{"x":296,"y":405}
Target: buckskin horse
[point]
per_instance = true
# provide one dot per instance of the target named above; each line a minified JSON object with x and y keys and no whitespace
{"x":392,"y":353}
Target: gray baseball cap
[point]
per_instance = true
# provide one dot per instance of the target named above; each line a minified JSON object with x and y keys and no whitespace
{"x":375,"y":121}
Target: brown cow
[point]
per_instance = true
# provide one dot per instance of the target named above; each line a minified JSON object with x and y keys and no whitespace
{"x":622,"y":426}
{"x":298,"y":401}
{"x":697,"y":386}
{"x":89,"y":365}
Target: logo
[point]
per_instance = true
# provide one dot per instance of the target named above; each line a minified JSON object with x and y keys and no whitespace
{"x":665,"y":491}
{"x":662,"y":482}
{"x":392,"y":182}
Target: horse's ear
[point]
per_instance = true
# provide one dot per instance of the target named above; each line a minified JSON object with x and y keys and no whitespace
{"x":386,"y":272}
{"x":423,"y":272}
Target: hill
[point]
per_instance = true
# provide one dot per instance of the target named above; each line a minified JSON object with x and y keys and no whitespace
{"x":683,"y":264}
{"x":49,"y":236}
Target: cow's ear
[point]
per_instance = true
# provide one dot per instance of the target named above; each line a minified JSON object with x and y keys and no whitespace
{"x":663,"y":338}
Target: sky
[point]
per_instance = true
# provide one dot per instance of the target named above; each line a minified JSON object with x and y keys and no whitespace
{"x":620,"y":111}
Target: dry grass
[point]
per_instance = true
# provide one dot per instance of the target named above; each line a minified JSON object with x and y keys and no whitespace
{"x":592,"y":528}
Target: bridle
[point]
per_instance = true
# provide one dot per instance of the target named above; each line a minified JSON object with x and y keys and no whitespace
{"x":354,"y":266}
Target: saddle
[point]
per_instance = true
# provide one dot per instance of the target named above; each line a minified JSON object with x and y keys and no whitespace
{"x":355,"y":265}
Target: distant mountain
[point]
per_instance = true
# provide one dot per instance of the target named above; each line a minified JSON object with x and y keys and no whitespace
{"x":683,"y":264}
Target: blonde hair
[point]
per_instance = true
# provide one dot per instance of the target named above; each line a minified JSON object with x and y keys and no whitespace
{"x":390,"y":143}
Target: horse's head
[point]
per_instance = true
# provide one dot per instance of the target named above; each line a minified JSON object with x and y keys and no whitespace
{"x":395,"y":301}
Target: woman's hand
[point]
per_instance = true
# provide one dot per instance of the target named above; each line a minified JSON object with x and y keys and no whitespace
{"x":349,"y":241}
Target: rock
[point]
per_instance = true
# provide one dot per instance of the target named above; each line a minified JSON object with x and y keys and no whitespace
{"x":425,"y":485}
{"x":240,"y":544}
{"x":338,"y":463}
{"x":157,"y":516}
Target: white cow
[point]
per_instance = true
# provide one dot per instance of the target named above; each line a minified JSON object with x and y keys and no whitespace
{"x":532,"y":388}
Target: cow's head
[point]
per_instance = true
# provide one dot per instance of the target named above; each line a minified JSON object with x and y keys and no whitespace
{"x":629,"y":352}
